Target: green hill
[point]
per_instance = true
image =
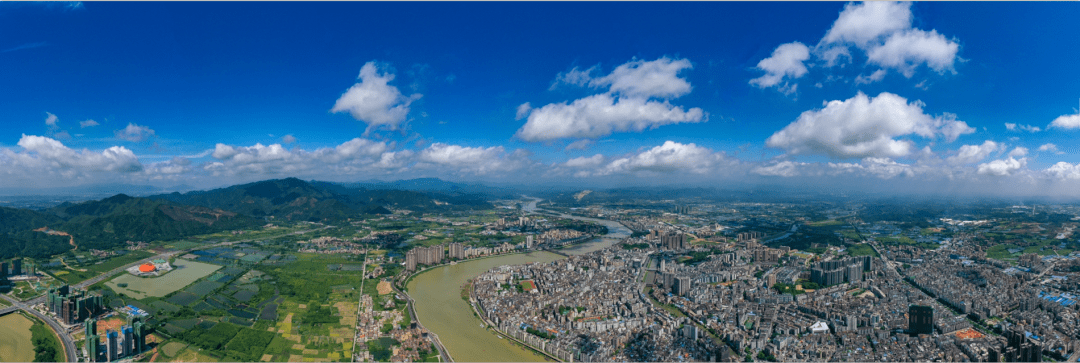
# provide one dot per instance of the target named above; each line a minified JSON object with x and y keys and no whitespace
{"x":111,"y":221}
{"x":18,"y":238}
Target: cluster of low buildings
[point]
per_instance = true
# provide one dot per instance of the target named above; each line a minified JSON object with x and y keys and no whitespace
{"x":331,"y":245}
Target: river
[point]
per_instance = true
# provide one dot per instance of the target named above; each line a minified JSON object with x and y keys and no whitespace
{"x":439,"y":306}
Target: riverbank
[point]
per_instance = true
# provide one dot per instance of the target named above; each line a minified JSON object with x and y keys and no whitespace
{"x":436,"y":294}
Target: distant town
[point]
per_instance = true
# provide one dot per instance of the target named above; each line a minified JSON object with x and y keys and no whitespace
{"x":574,"y":278}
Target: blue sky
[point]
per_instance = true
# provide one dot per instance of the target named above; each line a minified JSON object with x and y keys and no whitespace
{"x":929,"y":96}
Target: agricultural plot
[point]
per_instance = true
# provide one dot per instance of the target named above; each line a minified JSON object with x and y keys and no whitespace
{"x":203,"y":288}
{"x":184,"y":274}
{"x":165,"y":306}
{"x":182,"y":298}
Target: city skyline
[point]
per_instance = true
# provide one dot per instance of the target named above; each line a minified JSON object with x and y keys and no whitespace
{"x":915,"y":97}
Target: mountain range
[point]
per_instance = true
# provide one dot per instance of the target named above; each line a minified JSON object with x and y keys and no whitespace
{"x":110,"y":222}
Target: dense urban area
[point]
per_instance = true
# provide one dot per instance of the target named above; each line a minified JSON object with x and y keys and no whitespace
{"x":289,"y":270}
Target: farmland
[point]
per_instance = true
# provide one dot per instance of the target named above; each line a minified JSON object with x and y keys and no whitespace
{"x":184,"y":274}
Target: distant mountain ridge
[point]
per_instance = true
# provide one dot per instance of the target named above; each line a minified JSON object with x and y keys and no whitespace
{"x":293,"y":199}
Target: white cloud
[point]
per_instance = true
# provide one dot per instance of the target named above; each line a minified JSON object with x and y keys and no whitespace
{"x":873,"y":77}
{"x":585,"y":162}
{"x":882,"y":30}
{"x":1015,"y":127}
{"x":669,"y":157}
{"x":1002,"y":167}
{"x":658,"y":78}
{"x":475,"y":160}
{"x":630,"y":103}
{"x":579,"y":145}
{"x":288,"y":139}
{"x":904,"y":51}
{"x":88,"y":123}
{"x":575,"y":77}
{"x":601,"y":115}
{"x":51,"y":119}
{"x":523,"y":111}
{"x":785,"y":169}
{"x":351,"y":157}
{"x":862,"y":127}
{"x":134,"y":133}
{"x":1018,"y":152}
{"x":168,"y":169}
{"x":863,"y":23}
{"x":969,"y":154}
{"x":1051,"y":148}
{"x":374,"y":101}
{"x":786,"y":61}
{"x":883,"y":168}
{"x":1063,"y":170}
{"x":1066,"y":122}
{"x":49,"y":154}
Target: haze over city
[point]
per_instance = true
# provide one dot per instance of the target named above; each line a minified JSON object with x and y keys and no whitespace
{"x":935,"y":98}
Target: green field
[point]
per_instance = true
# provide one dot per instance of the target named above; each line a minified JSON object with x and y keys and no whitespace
{"x":15,"y":339}
{"x":184,"y":274}
{"x":861,"y":250}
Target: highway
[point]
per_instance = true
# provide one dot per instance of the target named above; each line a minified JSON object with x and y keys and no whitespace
{"x":65,"y":338}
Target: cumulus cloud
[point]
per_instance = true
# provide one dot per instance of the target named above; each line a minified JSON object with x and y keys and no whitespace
{"x":601,"y":115}
{"x":168,"y":169}
{"x":863,"y":23}
{"x":1002,"y":167}
{"x":288,"y":139}
{"x":1067,"y":122}
{"x":47,"y":154}
{"x":636,"y":99}
{"x":1051,"y":148}
{"x":1018,"y":152}
{"x":786,"y":61}
{"x":477,"y":160}
{"x":784,"y":168}
{"x":351,"y":157}
{"x":969,"y":154}
{"x":881,"y":30}
{"x":883,"y":168}
{"x":88,"y":123}
{"x":134,"y":133}
{"x":585,"y":162}
{"x":669,"y":157}
{"x":904,"y":51}
{"x":1063,"y":170}
{"x":862,"y":127}
{"x":374,"y":101}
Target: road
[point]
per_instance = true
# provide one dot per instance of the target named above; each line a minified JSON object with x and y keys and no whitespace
{"x":65,"y":338}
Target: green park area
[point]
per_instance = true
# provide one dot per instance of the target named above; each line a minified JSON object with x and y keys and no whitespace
{"x":15,"y":339}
